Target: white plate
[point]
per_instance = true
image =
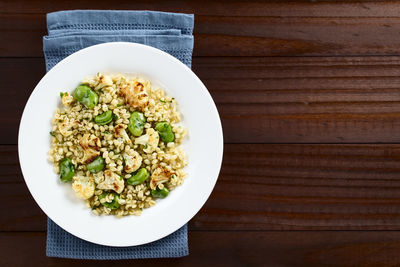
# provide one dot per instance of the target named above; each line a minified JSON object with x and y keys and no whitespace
{"x":204,"y":145}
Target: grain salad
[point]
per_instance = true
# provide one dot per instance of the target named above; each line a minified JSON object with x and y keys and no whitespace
{"x":117,"y":140}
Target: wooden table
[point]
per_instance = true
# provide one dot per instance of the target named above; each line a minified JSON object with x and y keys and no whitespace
{"x":309,"y":97}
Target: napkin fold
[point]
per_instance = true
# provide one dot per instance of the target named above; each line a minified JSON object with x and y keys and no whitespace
{"x":70,"y":31}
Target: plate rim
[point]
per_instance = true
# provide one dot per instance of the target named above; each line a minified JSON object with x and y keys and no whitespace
{"x":64,"y":61}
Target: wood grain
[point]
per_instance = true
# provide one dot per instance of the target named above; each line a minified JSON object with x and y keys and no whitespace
{"x":281,"y":31}
{"x":268,"y":187}
{"x":270,"y":8}
{"x":324,"y":248}
{"x":267,"y":100}
{"x":280,"y":72}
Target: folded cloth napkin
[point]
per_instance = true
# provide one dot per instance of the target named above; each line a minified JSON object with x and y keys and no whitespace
{"x":70,"y":31}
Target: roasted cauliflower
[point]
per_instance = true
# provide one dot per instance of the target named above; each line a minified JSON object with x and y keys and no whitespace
{"x":65,"y":126}
{"x":160,"y":175}
{"x":119,"y":132}
{"x":83,"y":186}
{"x":135,"y":95}
{"x":90,"y":145}
{"x":132,"y":160}
{"x":112,"y":181}
{"x":149,"y":140}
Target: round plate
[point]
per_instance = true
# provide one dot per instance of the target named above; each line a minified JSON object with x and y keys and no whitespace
{"x":204,"y":144}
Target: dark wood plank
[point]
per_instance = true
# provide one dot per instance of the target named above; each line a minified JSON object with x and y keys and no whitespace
{"x":267,"y":100}
{"x":273,"y":8}
{"x":323,"y":248}
{"x":240,"y":31}
{"x":268,"y":187}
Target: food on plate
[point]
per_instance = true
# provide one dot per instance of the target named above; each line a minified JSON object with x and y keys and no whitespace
{"x":117,"y":140}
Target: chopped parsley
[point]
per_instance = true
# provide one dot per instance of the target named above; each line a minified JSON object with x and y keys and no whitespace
{"x":115,"y":117}
{"x":118,"y":105}
{"x":52,"y":134}
{"x":141,"y":209}
{"x":61,"y":94}
{"x":107,"y":132}
{"x":146,"y":146}
{"x":173,"y":176}
{"x":163,"y":101}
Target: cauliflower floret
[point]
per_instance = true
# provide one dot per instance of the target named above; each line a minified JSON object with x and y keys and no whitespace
{"x":105,"y":80}
{"x":112,"y":181}
{"x":132,"y":160}
{"x":83,"y":186}
{"x":135,"y":95}
{"x":119,"y":131}
{"x":67,"y":99}
{"x":149,"y":140}
{"x":65,"y":126}
{"x":91,"y":145}
{"x":98,"y":177}
{"x":160,"y":175}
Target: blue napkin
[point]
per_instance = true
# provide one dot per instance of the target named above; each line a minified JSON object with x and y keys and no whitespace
{"x":70,"y":31}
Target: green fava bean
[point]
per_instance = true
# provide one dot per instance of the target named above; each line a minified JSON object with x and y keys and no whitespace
{"x":104,"y":118}
{"x":67,"y":170}
{"x":160,"y":193}
{"x":96,"y":165}
{"x":136,"y":123}
{"x":139,"y":177}
{"x":86,"y":96}
{"x":165,"y":131}
{"x":114,"y":204}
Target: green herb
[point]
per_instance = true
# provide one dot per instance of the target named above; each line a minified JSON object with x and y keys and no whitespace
{"x":107,"y":132}
{"x":118,"y":105}
{"x":61,"y":94}
{"x":95,"y":207}
{"x":141,"y":209}
{"x":146,"y":146}
{"x":115,"y":117}
{"x":173,"y":176}
{"x":52,"y":134}
{"x":163,"y":101}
